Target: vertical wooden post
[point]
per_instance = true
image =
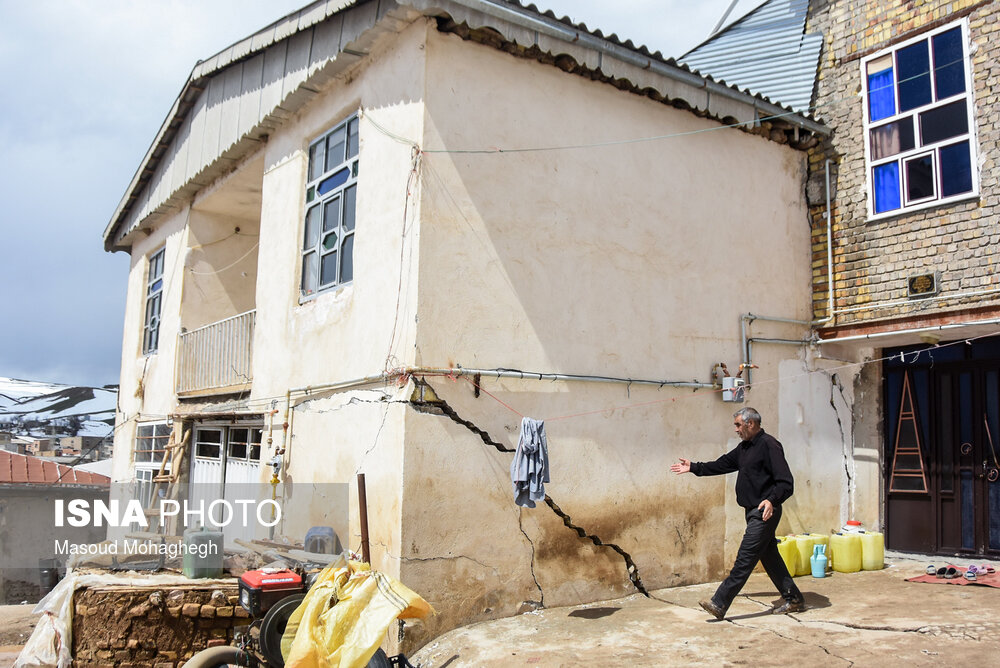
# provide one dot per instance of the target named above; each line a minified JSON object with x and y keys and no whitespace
{"x":363,"y":507}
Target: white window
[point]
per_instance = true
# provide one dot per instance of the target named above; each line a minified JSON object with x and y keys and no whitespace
{"x":154,"y":299}
{"x":151,"y":440}
{"x":920,"y":147}
{"x":331,"y":196}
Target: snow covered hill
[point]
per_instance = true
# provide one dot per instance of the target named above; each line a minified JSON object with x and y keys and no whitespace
{"x":32,"y":401}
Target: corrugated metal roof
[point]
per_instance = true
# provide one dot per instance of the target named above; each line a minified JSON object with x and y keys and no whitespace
{"x":175,"y":168}
{"x":767,"y":52}
{"x":27,"y":470}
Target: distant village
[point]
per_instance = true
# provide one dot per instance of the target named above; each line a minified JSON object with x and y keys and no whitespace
{"x":65,"y":424}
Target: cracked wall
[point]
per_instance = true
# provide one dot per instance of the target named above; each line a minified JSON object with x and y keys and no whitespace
{"x":829,"y":443}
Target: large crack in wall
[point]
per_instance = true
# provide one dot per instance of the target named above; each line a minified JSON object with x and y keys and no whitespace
{"x":425,"y":400}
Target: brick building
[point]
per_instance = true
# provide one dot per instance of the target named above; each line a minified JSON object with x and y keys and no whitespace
{"x":905,"y":291}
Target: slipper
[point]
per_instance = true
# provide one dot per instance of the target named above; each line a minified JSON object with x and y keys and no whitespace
{"x":942,"y":572}
{"x":950,"y":572}
{"x":931,"y":570}
{"x":970,"y":575}
{"x":975,"y":570}
{"x":986,"y":568}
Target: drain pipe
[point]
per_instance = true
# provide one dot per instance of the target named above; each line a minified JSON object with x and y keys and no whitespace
{"x":830,"y":312}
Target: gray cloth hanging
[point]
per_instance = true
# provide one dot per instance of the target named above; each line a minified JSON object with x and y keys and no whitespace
{"x":530,"y":469}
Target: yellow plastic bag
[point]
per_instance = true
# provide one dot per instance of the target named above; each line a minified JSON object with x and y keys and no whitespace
{"x":347,"y":633}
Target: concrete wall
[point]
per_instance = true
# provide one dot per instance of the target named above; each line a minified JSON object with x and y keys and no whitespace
{"x":632,"y":260}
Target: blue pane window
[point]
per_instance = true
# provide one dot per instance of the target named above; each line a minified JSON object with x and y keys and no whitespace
{"x":328,"y":235}
{"x":956,"y":169}
{"x":886,"y":190}
{"x":914,"y":65}
{"x":949,"y":64}
{"x":881,"y":95}
{"x":919,"y":123}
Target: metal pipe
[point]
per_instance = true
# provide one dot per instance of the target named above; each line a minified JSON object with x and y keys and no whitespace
{"x":746,"y":341}
{"x":363,"y":510}
{"x":914,"y":330}
{"x":534,"y":375}
{"x":830,"y":312}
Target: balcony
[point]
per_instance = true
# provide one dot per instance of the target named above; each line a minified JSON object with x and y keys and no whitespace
{"x":216,"y":358}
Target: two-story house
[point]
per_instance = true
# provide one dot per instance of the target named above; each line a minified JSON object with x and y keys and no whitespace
{"x":374,"y":235}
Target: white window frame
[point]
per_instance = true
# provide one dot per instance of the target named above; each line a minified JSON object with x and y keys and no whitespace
{"x":316,"y":240}
{"x":154,"y":302}
{"x":145,"y":469}
{"x":918,"y":149}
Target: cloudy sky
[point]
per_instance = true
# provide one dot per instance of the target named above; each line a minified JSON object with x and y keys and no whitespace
{"x":87,"y":85}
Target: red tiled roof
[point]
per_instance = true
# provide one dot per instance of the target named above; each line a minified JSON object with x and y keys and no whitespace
{"x":25,"y":469}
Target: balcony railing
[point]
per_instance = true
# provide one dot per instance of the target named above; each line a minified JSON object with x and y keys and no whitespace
{"x":217,"y":358}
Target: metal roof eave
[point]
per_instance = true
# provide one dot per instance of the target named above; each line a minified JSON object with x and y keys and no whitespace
{"x":475,"y":13}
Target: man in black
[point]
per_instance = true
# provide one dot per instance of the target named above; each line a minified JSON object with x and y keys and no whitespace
{"x":763,"y":484}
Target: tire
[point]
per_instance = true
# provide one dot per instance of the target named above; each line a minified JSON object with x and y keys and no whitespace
{"x":215,"y":657}
{"x":378,"y":660}
{"x":273,"y":627}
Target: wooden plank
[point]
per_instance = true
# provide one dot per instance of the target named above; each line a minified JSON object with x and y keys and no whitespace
{"x":230,"y":125}
{"x":274,"y":73}
{"x":197,"y":137}
{"x":213,"y":120}
{"x":326,"y":43}
{"x":253,"y":74}
{"x":296,"y":62}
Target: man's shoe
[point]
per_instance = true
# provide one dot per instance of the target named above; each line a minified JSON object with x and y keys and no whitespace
{"x":712,"y":609}
{"x":789,"y":606}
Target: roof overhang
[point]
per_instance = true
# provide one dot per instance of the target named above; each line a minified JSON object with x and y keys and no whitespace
{"x":509,"y":26}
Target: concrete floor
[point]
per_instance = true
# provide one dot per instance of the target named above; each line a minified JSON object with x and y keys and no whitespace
{"x":871,"y":618}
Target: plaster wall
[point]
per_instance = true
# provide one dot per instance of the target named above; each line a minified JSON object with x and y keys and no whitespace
{"x":344,"y":333}
{"x":632,"y":260}
{"x":146,"y":390}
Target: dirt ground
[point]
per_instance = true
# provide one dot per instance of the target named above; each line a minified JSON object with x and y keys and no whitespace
{"x":872,"y":618}
{"x":16,"y":624}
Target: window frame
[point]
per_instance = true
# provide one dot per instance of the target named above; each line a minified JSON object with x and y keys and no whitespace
{"x":914,"y":116}
{"x":144,"y":470}
{"x":313,"y":251}
{"x":153,"y":302}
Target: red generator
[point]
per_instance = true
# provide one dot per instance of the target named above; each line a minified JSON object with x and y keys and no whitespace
{"x":262,"y":588}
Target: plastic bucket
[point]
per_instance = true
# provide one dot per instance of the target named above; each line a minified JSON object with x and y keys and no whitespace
{"x":789,"y":551}
{"x":202,"y":553}
{"x":846,"y":549}
{"x":872,"y":551}
{"x":804,"y":543}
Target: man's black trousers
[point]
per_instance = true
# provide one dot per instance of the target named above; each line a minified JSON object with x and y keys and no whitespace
{"x":758,"y":545}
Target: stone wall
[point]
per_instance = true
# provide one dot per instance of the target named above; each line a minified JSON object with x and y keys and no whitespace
{"x":156,"y":627}
{"x":872,"y":259}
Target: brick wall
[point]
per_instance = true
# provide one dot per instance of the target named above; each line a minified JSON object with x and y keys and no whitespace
{"x":159,"y":628}
{"x":872,"y":259}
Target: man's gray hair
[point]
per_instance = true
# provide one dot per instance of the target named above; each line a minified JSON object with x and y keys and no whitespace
{"x":748,"y":414}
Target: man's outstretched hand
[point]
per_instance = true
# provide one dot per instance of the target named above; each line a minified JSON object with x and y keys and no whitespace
{"x":683,"y":467}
